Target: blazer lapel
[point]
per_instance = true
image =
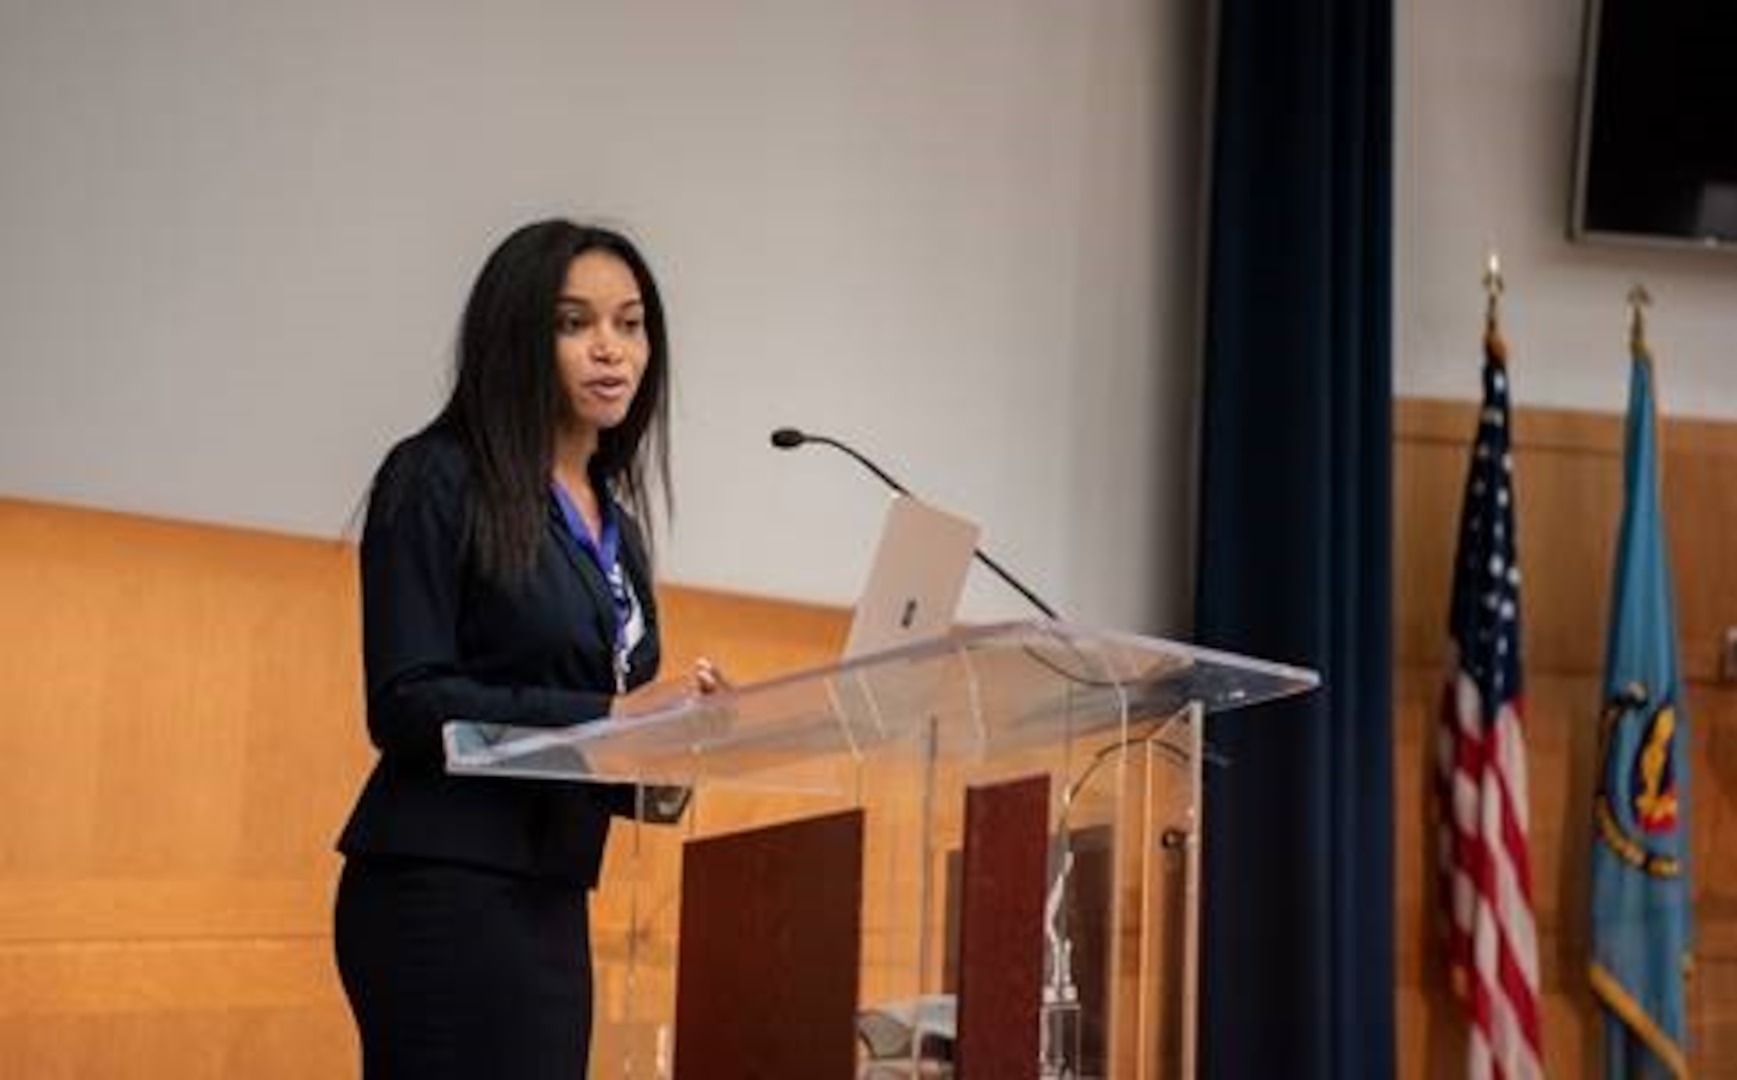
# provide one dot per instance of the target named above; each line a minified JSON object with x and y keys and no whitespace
{"x":602,"y":602}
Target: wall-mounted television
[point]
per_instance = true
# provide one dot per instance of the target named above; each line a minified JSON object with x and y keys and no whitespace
{"x":1656,"y":152}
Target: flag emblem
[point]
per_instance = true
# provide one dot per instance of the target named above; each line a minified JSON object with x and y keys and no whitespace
{"x":1653,"y":774}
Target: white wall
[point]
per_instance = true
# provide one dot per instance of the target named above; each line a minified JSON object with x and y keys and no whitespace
{"x":237,"y":237}
{"x":1488,"y":101}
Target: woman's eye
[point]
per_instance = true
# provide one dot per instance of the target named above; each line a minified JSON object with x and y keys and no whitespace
{"x":569,"y":324}
{"x":633,"y":325}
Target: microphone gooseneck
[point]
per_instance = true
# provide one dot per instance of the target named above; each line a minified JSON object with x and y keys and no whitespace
{"x":789,"y":438}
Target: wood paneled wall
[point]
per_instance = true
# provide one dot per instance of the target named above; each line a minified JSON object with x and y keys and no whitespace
{"x":178,"y":745}
{"x":1568,"y":493}
{"x":180,"y":739}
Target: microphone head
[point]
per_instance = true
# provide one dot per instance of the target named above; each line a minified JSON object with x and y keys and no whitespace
{"x":788,"y":438}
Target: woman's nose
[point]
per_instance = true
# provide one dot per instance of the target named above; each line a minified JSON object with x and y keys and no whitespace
{"x":604,"y":346}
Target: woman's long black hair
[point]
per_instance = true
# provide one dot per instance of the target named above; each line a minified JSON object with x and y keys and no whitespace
{"x":507,"y":400}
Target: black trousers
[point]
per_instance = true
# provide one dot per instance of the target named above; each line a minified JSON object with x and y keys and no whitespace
{"x":455,"y":971}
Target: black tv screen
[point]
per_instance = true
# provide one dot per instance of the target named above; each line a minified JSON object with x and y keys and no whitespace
{"x":1658,"y":123}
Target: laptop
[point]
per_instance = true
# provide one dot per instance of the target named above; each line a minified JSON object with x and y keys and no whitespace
{"x":915,"y":581}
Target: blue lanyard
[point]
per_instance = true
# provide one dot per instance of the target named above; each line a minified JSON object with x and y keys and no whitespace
{"x":605,"y":552}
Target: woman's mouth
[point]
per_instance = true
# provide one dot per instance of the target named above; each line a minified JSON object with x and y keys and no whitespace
{"x":612,"y":388}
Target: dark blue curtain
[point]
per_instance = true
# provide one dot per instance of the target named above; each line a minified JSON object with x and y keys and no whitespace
{"x":1295,"y":543}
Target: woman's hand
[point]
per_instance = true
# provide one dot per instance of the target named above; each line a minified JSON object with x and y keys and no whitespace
{"x":706,"y":678}
{"x":664,"y":803}
{"x":709,"y":678}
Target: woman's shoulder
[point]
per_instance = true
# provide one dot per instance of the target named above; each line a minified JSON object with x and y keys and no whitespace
{"x":430,"y":463}
{"x":435,"y":449}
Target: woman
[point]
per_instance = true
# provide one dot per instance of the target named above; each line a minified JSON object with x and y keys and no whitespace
{"x":502,"y":581}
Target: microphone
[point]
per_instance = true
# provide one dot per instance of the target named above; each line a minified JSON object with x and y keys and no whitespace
{"x":789,"y":438}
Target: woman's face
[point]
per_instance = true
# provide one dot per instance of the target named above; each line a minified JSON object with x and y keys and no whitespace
{"x":600,"y":343}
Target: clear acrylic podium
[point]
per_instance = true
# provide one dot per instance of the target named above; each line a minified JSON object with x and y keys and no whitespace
{"x":973,"y":857}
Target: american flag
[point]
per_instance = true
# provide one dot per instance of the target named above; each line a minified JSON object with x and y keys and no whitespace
{"x":1486,"y":877}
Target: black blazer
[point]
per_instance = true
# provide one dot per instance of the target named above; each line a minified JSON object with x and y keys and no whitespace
{"x":442,"y":643}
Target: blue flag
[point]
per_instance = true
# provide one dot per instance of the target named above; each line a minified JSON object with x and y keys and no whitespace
{"x":1640,"y":849}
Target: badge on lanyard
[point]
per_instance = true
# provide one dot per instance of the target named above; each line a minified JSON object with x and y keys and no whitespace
{"x":605,"y":553}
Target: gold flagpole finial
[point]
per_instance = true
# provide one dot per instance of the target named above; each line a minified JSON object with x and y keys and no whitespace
{"x":1638,"y":302}
{"x":1493,"y":285}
